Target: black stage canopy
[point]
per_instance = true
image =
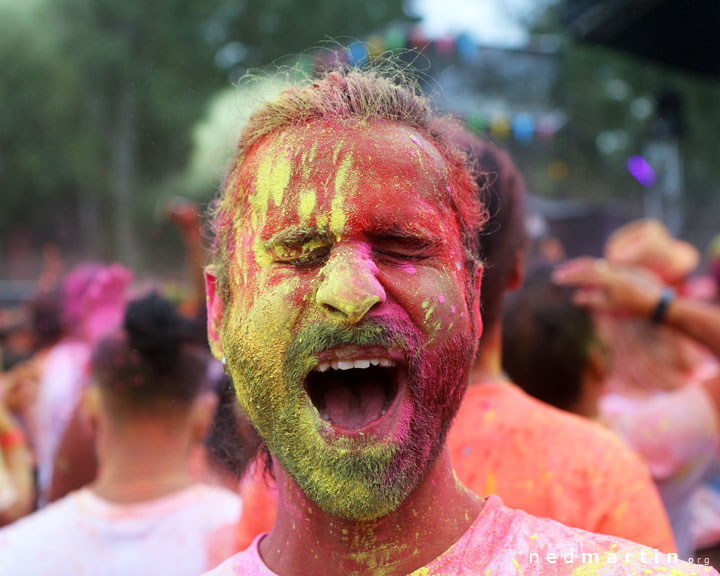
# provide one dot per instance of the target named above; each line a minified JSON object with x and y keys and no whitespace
{"x":680,"y":33}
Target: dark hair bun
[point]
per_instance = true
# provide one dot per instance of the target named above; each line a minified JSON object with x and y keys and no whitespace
{"x":155,"y":330}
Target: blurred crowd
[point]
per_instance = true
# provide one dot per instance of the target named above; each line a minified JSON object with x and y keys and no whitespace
{"x":594,"y":400}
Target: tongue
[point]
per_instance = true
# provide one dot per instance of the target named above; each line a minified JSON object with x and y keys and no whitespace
{"x":352,"y":407}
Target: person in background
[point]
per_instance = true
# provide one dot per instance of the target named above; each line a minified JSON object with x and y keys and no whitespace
{"x":93,"y":299}
{"x":143,"y":514}
{"x":675,"y":431}
{"x":504,"y":442}
{"x":653,"y":394}
{"x":550,"y":346}
{"x":17,"y":490}
{"x":18,"y":395}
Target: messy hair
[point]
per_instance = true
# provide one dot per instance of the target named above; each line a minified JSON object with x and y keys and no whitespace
{"x":347,"y":93}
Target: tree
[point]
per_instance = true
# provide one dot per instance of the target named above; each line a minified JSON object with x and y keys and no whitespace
{"x":136,"y":77}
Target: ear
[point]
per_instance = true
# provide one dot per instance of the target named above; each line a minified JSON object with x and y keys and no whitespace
{"x":517,"y":274}
{"x":477,"y":287}
{"x":202,"y":414}
{"x":215,"y":312}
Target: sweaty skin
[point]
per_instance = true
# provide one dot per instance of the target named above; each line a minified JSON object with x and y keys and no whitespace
{"x":348,"y":247}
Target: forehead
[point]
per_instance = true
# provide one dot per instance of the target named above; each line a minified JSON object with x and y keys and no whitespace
{"x":340,"y":175}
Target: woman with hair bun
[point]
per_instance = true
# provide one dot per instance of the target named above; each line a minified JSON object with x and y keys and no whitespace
{"x":143,"y":514}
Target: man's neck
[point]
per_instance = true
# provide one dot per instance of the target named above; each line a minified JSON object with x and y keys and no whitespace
{"x":488,"y":364}
{"x":132,"y":469}
{"x":426,"y":524}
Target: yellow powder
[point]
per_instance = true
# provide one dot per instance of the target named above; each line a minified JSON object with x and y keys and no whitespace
{"x":342,"y":182}
{"x":306,"y":204}
{"x":272,"y":179}
{"x":262,"y":258}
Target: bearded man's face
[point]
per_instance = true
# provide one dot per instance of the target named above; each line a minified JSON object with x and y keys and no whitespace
{"x":351,"y":321}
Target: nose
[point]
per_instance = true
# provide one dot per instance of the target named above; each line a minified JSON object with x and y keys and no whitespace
{"x":349,"y":285}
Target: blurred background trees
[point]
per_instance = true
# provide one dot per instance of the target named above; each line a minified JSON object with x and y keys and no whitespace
{"x":109,"y":109}
{"x":100,"y":97}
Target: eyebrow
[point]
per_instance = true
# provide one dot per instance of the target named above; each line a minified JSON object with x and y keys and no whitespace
{"x":422,"y":235}
{"x":294,"y":237}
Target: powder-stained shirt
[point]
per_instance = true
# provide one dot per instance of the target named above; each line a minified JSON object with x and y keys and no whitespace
{"x":677,"y":435}
{"x":84,"y":535}
{"x":507,"y":542}
{"x":554,"y":464}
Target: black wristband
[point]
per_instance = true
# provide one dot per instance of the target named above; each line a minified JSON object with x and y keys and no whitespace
{"x":661,"y":309}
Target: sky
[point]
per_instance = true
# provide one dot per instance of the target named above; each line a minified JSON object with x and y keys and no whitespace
{"x":490,"y":22}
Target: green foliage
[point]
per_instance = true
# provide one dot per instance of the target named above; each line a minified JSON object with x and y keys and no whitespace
{"x":100,"y":97}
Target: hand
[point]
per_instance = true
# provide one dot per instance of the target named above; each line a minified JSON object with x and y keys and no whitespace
{"x":607,"y":287}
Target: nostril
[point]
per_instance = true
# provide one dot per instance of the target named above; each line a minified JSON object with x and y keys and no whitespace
{"x":353,"y":307}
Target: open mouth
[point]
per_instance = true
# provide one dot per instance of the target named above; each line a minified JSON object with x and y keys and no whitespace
{"x":351,"y":394}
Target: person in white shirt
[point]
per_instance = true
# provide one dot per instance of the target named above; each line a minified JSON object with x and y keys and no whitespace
{"x":143,"y":514}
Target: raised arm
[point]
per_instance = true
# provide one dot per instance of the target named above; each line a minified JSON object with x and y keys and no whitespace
{"x":626,"y":290}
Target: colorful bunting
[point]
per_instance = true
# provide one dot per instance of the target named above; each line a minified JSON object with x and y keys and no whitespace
{"x":523,"y":127}
{"x":357,"y":53}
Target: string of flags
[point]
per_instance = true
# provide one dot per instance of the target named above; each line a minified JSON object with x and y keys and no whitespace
{"x":523,"y":127}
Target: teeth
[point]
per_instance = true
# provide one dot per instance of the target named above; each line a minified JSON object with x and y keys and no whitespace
{"x":348,"y":364}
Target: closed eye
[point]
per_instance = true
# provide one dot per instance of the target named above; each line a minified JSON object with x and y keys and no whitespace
{"x":300,"y":248}
{"x":413,"y":249}
{"x":302,"y":257}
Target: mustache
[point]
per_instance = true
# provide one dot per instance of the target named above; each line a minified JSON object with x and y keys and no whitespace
{"x":316,"y":338}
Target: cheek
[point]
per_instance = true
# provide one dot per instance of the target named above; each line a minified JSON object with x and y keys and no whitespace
{"x":434,"y":299}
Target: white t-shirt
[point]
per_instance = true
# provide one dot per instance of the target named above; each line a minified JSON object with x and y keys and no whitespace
{"x":84,"y":535}
{"x":64,"y":376}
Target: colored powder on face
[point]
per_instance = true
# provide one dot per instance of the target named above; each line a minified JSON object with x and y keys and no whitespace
{"x":343,"y":181}
{"x":429,"y":312}
{"x":306,"y":205}
{"x":269,"y":356}
{"x":273,"y":177}
{"x":262,"y":258}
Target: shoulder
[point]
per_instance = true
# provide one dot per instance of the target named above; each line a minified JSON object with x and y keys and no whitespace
{"x":217,"y":494}
{"x":245,"y":563}
{"x":520,"y":413}
{"x":203,"y":507}
{"x":55,"y":526}
{"x":219,"y":498}
{"x":507,"y":541}
{"x":45,"y":519}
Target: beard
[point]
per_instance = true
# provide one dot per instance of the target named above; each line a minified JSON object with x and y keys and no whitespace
{"x":355,"y":478}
